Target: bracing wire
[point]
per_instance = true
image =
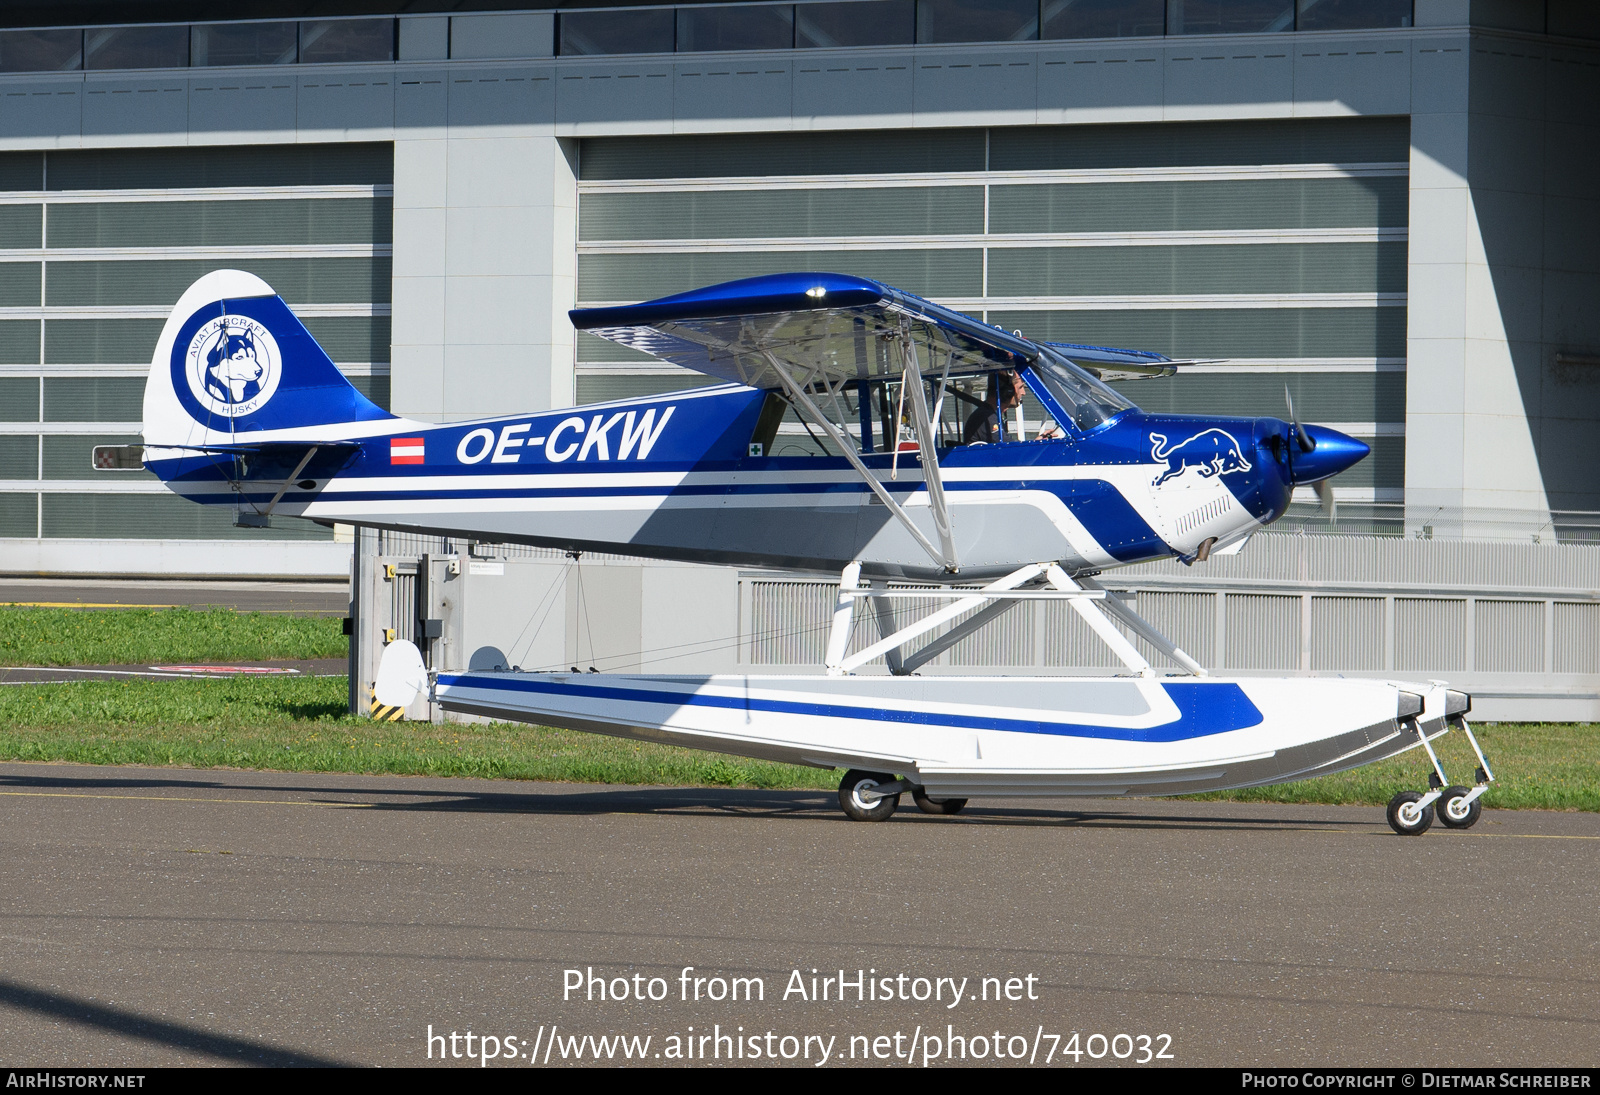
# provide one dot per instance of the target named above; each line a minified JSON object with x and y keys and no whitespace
{"x":727,"y":642}
{"x":548,"y":603}
{"x":583,"y":603}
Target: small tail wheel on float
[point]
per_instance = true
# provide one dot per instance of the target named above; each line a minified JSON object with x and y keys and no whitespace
{"x":937,"y":805}
{"x":1459,"y":808}
{"x":1406,"y":818}
{"x":860,"y":800}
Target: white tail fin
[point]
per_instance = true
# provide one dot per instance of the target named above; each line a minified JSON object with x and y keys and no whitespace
{"x":234,"y":363}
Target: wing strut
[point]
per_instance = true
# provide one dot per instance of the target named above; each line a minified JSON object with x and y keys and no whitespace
{"x":930,"y":468}
{"x":926,"y":440}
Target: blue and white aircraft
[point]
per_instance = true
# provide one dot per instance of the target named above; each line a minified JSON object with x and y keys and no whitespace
{"x":846,"y":437}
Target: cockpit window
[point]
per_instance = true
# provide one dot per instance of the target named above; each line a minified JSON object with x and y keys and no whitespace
{"x":1086,"y":399}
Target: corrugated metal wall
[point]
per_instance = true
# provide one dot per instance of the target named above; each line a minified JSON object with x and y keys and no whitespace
{"x":1280,"y":244}
{"x":1576,"y":631}
{"x":1290,"y":603}
{"x":1347,"y":633}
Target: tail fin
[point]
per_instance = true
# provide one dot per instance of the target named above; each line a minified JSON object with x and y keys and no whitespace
{"x":234,"y":363}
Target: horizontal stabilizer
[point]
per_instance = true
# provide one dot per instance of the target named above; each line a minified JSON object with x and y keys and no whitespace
{"x":265,"y":448}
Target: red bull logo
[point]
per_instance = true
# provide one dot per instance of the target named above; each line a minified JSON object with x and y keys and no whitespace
{"x":1211,"y":452}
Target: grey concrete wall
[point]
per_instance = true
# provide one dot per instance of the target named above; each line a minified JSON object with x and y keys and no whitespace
{"x":1504,"y":274}
{"x":485,"y":268}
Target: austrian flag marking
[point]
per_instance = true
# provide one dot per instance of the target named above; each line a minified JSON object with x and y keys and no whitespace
{"x":405,"y":450}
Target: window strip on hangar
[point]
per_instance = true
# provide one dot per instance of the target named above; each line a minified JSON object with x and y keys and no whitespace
{"x":1278,"y":245}
{"x":94,"y":247}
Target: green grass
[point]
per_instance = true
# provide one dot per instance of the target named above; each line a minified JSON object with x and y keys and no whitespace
{"x":299,"y":724}
{"x":1537,"y":766}
{"x":143,"y":636}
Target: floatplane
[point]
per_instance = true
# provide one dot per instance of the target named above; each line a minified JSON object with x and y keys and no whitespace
{"x":845,"y":435}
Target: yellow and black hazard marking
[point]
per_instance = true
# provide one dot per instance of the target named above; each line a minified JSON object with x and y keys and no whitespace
{"x":385,"y":714}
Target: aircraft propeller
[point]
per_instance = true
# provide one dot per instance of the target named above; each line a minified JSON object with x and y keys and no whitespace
{"x":1323,"y":487}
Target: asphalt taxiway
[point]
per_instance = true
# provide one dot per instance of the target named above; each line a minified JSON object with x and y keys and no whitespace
{"x":155,"y":916}
{"x":295,"y":598}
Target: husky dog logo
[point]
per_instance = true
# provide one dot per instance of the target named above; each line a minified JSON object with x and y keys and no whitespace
{"x":1212,"y":452}
{"x":233,"y":366}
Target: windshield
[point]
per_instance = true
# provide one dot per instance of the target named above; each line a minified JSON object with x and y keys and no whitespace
{"x":1086,"y":400}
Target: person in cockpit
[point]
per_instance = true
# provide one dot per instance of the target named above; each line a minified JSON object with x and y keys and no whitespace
{"x":986,"y":424}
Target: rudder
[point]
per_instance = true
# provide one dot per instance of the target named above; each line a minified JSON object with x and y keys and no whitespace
{"x":233,"y":360}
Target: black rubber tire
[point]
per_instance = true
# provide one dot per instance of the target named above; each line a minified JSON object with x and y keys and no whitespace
{"x":1452,"y":818}
{"x":857,"y":810}
{"x":937,"y":805}
{"x":1423,"y":822}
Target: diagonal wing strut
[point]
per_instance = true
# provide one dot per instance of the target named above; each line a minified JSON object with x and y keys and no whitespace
{"x":945,"y":554}
{"x":931,"y":476}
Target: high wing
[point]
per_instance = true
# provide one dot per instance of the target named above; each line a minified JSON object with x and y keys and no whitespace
{"x":827,"y":328}
{"x":832,"y":328}
{"x":1109,"y":364}
{"x":807,"y":334}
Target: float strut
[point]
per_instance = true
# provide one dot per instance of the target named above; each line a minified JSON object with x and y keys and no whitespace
{"x":843,"y":619}
{"x":1438,"y":781}
{"x":1484,"y":776}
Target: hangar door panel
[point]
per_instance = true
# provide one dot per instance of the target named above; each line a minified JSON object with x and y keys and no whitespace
{"x":112,"y":238}
{"x":1279,"y":245}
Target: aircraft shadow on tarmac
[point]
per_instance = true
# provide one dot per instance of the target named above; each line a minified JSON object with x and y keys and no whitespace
{"x":671,"y":801}
{"x":131,"y":1024}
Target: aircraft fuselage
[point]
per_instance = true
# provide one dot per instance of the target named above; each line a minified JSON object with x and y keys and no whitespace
{"x":679,"y":477}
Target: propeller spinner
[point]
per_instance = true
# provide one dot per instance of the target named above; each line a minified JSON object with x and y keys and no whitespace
{"x":1323,"y":454}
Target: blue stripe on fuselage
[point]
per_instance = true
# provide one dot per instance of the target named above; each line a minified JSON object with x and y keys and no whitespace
{"x":1098,"y":505}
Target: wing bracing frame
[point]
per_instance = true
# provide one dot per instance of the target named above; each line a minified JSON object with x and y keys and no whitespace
{"x":1036,"y":581}
{"x":795,"y":390}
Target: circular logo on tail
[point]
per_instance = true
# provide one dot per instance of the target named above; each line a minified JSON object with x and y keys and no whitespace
{"x":233,"y":366}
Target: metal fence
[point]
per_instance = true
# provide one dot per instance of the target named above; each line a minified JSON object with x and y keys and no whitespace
{"x":1515,"y":623}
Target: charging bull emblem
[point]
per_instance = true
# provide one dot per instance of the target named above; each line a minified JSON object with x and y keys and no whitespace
{"x":1211,"y":452}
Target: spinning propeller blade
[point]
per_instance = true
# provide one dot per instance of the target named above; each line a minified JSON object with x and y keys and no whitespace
{"x":1323,"y":487}
{"x":1306,"y":443}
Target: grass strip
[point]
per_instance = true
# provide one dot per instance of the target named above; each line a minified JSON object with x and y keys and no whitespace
{"x":145,"y":636}
{"x":1537,"y":766}
{"x":300,"y":724}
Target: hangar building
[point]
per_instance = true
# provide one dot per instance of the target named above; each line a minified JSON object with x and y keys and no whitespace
{"x":1388,"y":205}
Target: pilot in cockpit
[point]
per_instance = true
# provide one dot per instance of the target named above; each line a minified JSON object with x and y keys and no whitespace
{"x":985,"y":425}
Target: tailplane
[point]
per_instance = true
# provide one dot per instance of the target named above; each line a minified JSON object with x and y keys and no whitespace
{"x":234,"y":364}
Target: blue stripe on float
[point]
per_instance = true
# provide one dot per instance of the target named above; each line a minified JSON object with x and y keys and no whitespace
{"x":1204,"y":709}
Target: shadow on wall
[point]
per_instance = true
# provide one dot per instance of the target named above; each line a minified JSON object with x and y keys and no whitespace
{"x":1531,"y":165}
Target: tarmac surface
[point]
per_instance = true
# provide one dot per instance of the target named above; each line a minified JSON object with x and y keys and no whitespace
{"x":165,"y":916}
{"x":297,"y":598}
